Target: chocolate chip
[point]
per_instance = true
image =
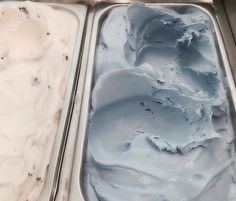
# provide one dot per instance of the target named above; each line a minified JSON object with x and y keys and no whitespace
{"x":160,"y":82}
{"x":141,"y":103}
{"x":24,"y":10}
{"x":35,"y":81}
{"x":65,"y":56}
{"x":30,"y":174}
{"x":156,"y":101}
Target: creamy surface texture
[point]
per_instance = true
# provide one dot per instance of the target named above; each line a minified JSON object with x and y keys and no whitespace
{"x":36,"y":49}
{"x":160,"y":126}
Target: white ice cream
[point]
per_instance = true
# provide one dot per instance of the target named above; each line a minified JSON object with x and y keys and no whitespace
{"x":36,"y":49}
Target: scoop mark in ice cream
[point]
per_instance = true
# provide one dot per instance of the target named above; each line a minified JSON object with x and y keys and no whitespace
{"x":160,"y":126}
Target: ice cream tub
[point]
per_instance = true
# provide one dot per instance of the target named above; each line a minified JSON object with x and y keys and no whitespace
{"x":53,"y":173}
{"x":158,"y":108}
{"x":41,"y":45}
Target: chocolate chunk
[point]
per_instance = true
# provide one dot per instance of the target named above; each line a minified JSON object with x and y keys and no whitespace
{"x":24,"y":10}
{"x":30,"y":174}
{"x":141,"y":103}
{"x":35,"y":81}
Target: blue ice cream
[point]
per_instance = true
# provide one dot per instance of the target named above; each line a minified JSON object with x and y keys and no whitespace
{"x":160,"y":126}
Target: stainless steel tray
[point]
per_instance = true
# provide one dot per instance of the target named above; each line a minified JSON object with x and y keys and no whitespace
{"x":53,"y":171}
{"x":98,"y":14}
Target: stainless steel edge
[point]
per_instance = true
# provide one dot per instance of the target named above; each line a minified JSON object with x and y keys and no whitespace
{"x":96,"y":2}
{"x":230,"y":8}
{"x":65,"y":177}
{"x":227,"y":34}
{"x":98,"y":11}
{"x":53,"y":171}
{"x":74,"y":193}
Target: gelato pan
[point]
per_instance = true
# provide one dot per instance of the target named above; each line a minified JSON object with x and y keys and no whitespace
{"x":36,"y":54}
{"x":160,"y":126}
